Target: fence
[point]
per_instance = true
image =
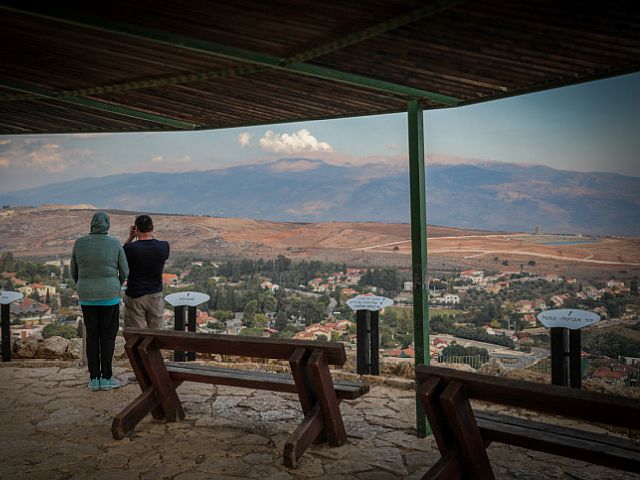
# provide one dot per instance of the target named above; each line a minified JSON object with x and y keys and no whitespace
{"x":602,"y":370}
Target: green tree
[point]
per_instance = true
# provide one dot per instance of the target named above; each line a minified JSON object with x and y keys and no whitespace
{"x":249,"y":313}
{"x":223,"y":315}
{"x":7,"y":262}
{"x":473,"y":356}
{"x":261,"y":320}
{"x":337,"y":294}
{"x":268,"y":302}
{"x":281,"y":321}
{"x":56,"y":329}
{"x":65,"y":297}
{"x":251,"y":332}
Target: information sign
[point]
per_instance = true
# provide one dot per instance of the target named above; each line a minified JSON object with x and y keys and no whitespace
{"x":372,"y":303}
{"x":190,"y":299}
{"x":7,"y":297}
{"x":568,"y":318}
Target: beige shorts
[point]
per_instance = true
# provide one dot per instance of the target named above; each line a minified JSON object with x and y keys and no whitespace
{"x":144,"y":312}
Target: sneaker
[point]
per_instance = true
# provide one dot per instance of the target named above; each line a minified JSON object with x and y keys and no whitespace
{"x":94,"y":384}
{"x":109,"y":383}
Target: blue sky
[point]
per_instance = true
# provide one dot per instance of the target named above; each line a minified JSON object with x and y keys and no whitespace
{"x":588,"y":127}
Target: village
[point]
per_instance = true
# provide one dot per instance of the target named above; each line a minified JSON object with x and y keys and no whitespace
{"x":475,"y":315}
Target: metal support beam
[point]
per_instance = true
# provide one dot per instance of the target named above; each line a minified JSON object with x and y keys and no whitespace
{"x":70,"y":17}
{"x":418,"y":249}
{"x":96,"y":105}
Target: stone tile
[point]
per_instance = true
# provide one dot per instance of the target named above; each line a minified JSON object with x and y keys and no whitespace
{"x":61,"y":430}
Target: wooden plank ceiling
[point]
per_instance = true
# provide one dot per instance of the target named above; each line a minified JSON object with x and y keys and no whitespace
{"x":142,"y":65}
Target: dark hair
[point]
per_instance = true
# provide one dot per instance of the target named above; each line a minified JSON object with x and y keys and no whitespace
{"x":144,"y":224}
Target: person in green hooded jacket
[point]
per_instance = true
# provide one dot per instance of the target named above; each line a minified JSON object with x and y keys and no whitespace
{"x":99,"y":268}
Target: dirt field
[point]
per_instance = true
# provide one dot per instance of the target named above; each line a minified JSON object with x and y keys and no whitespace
{"x":47,"y":232}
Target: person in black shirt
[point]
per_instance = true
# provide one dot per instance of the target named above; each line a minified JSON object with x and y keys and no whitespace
{"x":146,"y":256}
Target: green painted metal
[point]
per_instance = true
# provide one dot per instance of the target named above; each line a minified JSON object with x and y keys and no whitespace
{"x":391,"y":24}
{"x":201,"y":128}
{"x":418,"y":249}
{"x":359,"y":80}
{"x":96,"y":105}
{"x":142,"y":84}
{"x":69,"y":17}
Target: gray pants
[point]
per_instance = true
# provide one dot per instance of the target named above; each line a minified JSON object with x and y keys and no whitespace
{"x":145,"y":311}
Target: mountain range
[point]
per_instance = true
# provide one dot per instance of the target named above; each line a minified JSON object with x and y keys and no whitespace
{"x":489,"y":196}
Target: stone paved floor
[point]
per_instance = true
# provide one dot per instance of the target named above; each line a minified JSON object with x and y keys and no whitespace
{"x":52,"y":427}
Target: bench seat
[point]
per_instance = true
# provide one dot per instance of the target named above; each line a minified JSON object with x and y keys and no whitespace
{"x":275,"y":382}
{"x":601,"y":449}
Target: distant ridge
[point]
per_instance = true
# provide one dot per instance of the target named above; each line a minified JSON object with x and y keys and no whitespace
{"x":477,"y":195}
{"x":82,"y":206}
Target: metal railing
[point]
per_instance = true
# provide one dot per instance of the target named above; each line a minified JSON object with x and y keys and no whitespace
{"x":595,"y":370}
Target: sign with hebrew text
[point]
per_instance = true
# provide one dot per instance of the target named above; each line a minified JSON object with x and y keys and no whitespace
{"x":568,"y":318}
{"x":369,"y":302}
{"x":7,"y":297}
{"x":190,"y":299}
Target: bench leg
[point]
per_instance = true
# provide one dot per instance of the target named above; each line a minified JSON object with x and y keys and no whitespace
{"x":429,"y":395}
{"x":447,"y":468}
{"x":131,"y":349}
{"x":320,"y":377}
{"x":161,"y":380}
{"x":125,"y":421}
{"x":303,"y":436}
{"x":319,"y":404}
{"x":465,"y":428}
{"x":303,"y":386}
{"x":133,"y":413}
{"x":305,"y":393}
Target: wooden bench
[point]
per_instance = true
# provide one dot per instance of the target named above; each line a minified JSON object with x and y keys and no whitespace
{"x":463,"y":433}
{"x":310,"y":378}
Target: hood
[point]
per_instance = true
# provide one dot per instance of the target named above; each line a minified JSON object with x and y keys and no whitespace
{"x":100,"y":223}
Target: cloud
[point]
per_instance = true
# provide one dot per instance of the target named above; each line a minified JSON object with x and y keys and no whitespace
{"x":244,"y":139}
{"x":298,"y":142}
{"x":157,"y":159}
{"x":48,"y":158}
{"x":41,"y":156}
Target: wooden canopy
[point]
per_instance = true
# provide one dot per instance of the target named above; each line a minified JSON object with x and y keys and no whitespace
{"x":141,"y":65}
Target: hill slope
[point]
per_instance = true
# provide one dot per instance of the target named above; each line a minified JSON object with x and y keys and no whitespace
{"x":490,"y":196}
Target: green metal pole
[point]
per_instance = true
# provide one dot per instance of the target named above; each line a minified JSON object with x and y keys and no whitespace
{"x":418,"y":250}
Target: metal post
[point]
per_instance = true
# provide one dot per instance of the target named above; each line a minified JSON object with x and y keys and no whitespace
{"x":575,"y":359}
{"x":6,"y":333}
{"x":375,"y":344}
{"x":418,"y":249}
{"x":363,"y":326}
{"x":179,"y":312}
{"x":559,"y":356}
{"x":191,"y":326}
